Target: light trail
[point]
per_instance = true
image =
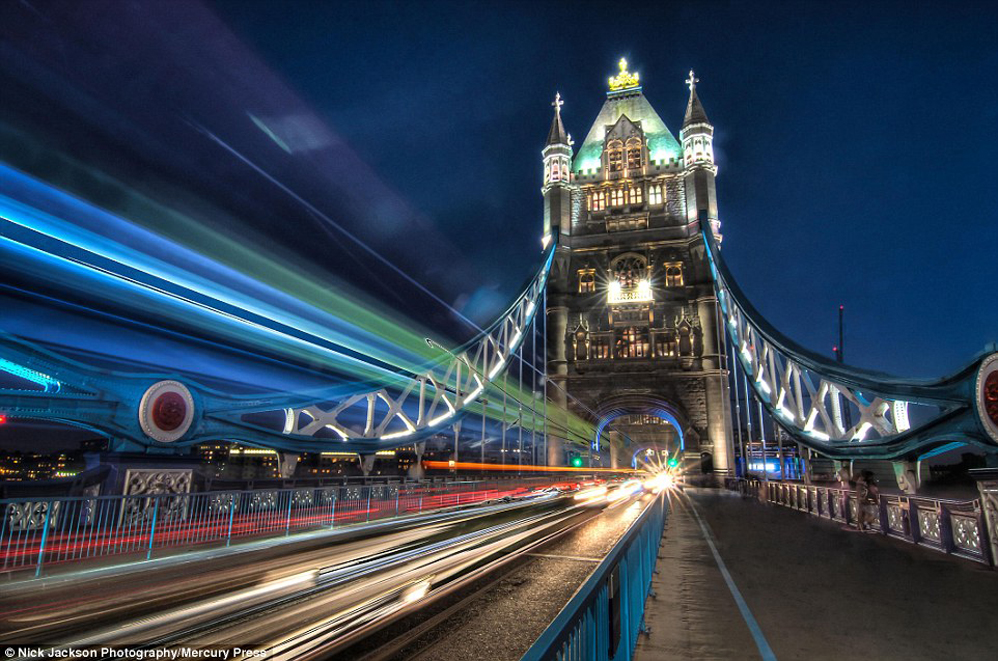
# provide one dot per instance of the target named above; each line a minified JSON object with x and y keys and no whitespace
{"x":469,"y":465}
{"x":105,"y":248}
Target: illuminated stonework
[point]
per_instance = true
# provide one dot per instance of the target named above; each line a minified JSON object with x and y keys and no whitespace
{"x":641,"y":293}
{"x":630,"y":301}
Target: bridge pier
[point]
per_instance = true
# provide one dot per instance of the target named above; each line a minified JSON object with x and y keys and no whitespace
{"x":456,"y":456}
{"x":906,"y":474}
{"x":805,"y":461}
{"x":843,"y":472}
{"x":719,"y":430}
{"x":556,"y":375}
{"x":287,"y":463}
{"x":367,"y":463}
{"x":416,"y":471}
{"x":618,"y":457}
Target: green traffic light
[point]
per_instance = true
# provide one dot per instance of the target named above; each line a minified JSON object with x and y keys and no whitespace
{"x":576,"y":462}
{"x":673,"y":462}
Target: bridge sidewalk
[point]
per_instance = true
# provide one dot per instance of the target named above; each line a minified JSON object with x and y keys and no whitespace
{"x":815,"y":591}
{"x":692,"y":615}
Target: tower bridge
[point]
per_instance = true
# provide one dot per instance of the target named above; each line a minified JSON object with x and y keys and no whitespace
{"x":630,"y":356}
{"x":632,"y":311}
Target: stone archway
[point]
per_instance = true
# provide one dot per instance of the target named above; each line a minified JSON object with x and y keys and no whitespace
{"x":673,"y":436}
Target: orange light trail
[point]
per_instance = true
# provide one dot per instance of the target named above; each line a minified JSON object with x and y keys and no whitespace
{"x":468,"y":465}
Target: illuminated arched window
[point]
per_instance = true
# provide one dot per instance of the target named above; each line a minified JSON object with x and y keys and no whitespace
{"x":674,"y":274}
{"x":597,"y":201}
{"x":615,"y":155}
{"x":629,"y":270}
{"x":633,"y":154}
{"x":655,"y":194}
{"x":587,"y":281}
{"x":634,"y":195}
{"x":617,"y":197}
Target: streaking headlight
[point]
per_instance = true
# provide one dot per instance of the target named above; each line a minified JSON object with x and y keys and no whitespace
{"x":591,"y":495}
{"x":415,"y":592}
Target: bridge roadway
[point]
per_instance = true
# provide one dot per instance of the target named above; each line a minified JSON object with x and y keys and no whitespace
{"x":813,"y":590}
{"x":310,"y":597}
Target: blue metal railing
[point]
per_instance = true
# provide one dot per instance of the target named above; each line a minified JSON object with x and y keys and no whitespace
{"x":602,"y":620}
{"x":956,"y":527}
{"x":41,"y":531}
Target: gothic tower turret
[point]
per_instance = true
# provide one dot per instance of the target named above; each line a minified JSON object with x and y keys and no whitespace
{"x":697,"y":138}
{"x":557,"y":190}
{"x":557,"y":155}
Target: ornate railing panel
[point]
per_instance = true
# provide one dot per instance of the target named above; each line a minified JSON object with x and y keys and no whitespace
{"x":844,"y":412}
{"x":951,"y":526}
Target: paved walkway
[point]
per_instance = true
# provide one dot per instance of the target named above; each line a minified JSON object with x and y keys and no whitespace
{"x":809,"y":590}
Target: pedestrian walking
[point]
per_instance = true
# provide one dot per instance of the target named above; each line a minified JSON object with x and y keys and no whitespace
{"x":867,"y":498}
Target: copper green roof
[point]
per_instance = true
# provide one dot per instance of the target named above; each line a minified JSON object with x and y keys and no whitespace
{"x":662,"y":145}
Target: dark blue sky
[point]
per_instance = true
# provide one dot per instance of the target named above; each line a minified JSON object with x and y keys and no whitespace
{"x":855,"y":141}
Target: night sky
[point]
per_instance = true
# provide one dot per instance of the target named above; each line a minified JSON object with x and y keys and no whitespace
{"x":855,"y":141}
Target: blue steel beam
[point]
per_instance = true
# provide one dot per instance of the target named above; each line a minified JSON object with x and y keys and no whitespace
{"x":162,"y":411}
{"x":846,"y":412}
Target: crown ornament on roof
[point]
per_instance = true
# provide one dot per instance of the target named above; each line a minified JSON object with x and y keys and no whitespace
{"x":625,"y":79}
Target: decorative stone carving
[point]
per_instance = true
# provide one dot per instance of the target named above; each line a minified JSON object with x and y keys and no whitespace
{"x":928,"y":525}
{"x":989,"y":501}
{"x":89,"y":507}
{"x":263,"y":500}
{"x":223,"y":503}
{"x":966,"y":536}
{"x":895,"y":518}
{"x":30,"y":515}
{"x":303,"y":498}
{"x":156,"y":482}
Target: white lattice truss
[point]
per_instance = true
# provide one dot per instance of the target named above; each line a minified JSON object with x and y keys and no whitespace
{"x":805,"y":399}
{"x":434,"y":397}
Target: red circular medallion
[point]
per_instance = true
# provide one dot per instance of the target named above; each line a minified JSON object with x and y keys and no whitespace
{"x":169,"y":411}
{"x":991,"y":396}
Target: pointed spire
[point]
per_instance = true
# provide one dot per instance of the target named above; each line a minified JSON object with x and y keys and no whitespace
{"x":557,"y":135}
{"x":694,"y":109}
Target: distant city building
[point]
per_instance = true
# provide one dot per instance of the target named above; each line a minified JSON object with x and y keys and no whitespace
{"x":632,"y":321}
{"x":29,"y":466}
{"x":231,"y":461}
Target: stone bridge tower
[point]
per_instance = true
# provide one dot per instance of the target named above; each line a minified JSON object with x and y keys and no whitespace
{"x":633,"y":343}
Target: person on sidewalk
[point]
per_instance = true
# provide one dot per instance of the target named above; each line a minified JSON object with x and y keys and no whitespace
{"x":867,"y":496}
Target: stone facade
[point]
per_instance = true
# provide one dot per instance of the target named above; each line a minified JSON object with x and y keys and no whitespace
{"x":631,"y":307}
